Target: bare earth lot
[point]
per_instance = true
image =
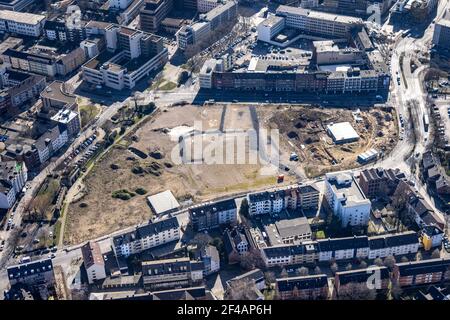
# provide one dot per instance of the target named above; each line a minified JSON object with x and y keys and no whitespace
{"x":95,"y":212}
{"x":303,"y":131}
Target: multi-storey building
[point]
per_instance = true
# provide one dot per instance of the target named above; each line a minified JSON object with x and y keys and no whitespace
{"x":343,"y":248}
{"x":58,"y":30}
{"x":303,"y":287}
{"x":346,"y":200}
{"x":13,"y":176}
{"x":34,"y":274}
{"x":304,"y":253}
{"x":316,"y":22}
{"x":15,"y":5}
{"x":145,"y":237}
{"x":152,"y":13}
{"x":130,"y":56}
{"x":422,"y":272}
{"x":379,"y":182}
{"x":290,"y":197}
{"x":441,"y":36}
{"x":211,"y":215}
{"x":171,"y":273}
{"x":393,"y":244}
{"x":344,"y":281}
{"x":93,"y":261}
{"x":22,"y":87}
{"x":22,"y":23}
{"x":204,"y":6}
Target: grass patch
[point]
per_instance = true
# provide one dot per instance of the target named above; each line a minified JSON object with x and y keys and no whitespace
{"x":57,"y":231}
{"x":169,"y":85}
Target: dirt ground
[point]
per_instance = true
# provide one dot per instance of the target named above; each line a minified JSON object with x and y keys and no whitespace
{"x":152,"y":164}
{"x":303,"y":131}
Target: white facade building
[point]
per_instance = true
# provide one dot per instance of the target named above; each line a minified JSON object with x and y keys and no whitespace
{"x":346,"y":199}
{"x":13,"y":176}
{"x":146,"y":237}
{"x":93,"y":261}
{"x":26,"y":24}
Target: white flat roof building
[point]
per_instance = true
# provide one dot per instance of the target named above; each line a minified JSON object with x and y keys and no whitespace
{"x":163,"y":202}
{"x":21,"y":23}
{"x":342,"y":132}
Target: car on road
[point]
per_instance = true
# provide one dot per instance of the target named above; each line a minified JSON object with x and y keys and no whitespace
{"x":51,"y":256}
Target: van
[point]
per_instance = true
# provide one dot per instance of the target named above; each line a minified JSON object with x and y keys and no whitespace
{"x":25,"y":259}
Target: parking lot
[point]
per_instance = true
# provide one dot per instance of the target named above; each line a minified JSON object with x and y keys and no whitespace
{"x":441,"y":113}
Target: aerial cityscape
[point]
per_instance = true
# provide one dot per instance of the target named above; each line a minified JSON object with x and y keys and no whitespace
{"x":224,"y":150}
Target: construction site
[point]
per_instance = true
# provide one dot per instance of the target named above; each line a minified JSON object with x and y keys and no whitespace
{"x":303,"y":131}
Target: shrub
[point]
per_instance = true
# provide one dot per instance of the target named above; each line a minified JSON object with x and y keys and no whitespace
{"x":140,"y":191}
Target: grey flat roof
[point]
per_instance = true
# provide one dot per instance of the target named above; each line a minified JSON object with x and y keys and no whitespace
{"x":163,"y":202}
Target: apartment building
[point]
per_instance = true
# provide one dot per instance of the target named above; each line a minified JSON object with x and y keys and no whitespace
{"x":343,"y":248}
{"x":211,"y":260}
{"x":145,"y":237}
{"x":22,"y":87}
{"x":283,"y":255}
{"x":346,"y":199}
{"x":13,"y":176}
{"x":291,"y":197}
{"x":316,"y":22}
{"x":288,"y":231}
{"x":211,"y":215}
{"x":345,"y":281}
{"x":393,"y":244}
{"x":68,"y":121}
{"x":379,"y":182}
{"x":423,"y":272}
{"x":153,"y":13}
{"x":431,"y":237}
{"x":34,"y":274}
{"x":171,"y":273}
{"x":21,"y":23}
{"x":58,"y":30}
{"x":93,"y":262}
{"x":237,"y":242}
{"x":303,"y":288}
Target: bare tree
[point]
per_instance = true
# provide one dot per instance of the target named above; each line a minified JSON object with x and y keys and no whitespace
{"x":363,"y":264}
{"x":334,"y":268}
{"x":317,"y":270}
{"x":303,"y":271}
{"x":270,"y":277}
{"x":436,"y":254}
{"x":241,"y":290}
{"x":378,"y":262}
{"x":283,"y":273}
{"x":389,"y":261}
{"x":419,"y":256}
{"x":357,"y":291}
{"x":201,"y":240}
{"x":251,"y":260}
{"x":404,"y":259}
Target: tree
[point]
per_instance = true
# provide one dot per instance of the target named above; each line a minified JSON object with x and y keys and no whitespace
{"x":436,"y":254}
{"x":378,"y":262}
{"x":404,"y":259}
{"x":363,"y":264}
{"x":283,"y":273}
{"x":241,"y":290}
{"x":348,"y":267}
{"x":389,"y":261}
{"x":303,"y":271}
{"x":334,"y":268}
{"x":317,"y":270}
{"x":243,"y":210}
{"x":357,"y":291}
{"x":270,"y":277}
{"x":201,"y":240}
{"x":251,"y":260}
{"x":419,"y":256}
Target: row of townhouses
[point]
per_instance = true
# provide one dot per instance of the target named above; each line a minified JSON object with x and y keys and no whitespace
{"x":342,"y":249}
{"x":406,"y":274}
